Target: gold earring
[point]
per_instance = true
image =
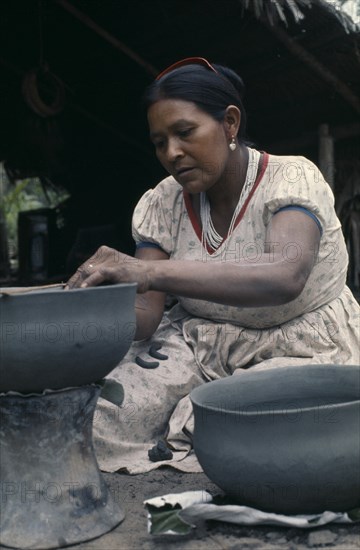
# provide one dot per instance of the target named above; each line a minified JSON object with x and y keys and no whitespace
{"x":232,"y":145}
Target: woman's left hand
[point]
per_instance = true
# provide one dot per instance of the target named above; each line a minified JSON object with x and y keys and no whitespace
{"x":111,"y":266}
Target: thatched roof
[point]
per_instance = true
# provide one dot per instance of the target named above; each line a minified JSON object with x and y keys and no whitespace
{"x":276,"y":11}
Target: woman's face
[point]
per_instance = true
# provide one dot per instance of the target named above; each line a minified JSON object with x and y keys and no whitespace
{"x":191,"y":145}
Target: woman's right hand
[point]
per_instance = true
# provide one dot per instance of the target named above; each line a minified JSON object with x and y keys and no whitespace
{"x":111,"y":266}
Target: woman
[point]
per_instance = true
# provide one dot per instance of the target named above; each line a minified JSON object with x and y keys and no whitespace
{"x":248,"y":246}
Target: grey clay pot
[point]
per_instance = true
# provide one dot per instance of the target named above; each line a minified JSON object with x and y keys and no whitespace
{"x":55,"y":346}
{"x":54,"y":339}
{"x":283,"y":440}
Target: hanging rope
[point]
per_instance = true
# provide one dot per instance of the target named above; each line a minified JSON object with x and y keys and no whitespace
{"x":43,"y":91}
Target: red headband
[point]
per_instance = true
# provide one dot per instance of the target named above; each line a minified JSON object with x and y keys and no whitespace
{"x":187,"y":61}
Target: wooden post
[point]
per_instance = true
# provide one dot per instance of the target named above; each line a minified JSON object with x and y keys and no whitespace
{"x":326,"y":154}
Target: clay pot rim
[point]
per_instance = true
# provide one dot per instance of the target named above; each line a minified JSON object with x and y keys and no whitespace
{"x":201,"y":396}
{"x":272,"y":412}
{"x":52,"y":291}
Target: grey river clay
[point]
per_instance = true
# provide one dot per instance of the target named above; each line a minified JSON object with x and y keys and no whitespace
{"x":283,"y":440}
{"x":56,"y":346}
{"x":53,"y":339}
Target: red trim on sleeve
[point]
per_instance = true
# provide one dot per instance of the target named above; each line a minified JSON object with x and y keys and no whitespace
{"x":191,"y":214}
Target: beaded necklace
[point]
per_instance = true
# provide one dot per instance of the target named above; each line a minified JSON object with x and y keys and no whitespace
{"x":209,"y":235}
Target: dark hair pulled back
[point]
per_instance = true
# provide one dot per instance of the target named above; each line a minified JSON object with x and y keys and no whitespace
{"x":211,"y":91}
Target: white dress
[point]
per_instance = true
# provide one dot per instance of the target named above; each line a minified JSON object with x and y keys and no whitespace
{"x":205,"y":341}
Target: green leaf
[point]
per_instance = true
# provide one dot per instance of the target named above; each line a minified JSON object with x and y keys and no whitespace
{"x":354,"y":514}
{"x":112,"y":391}
{"x":166,"y":519}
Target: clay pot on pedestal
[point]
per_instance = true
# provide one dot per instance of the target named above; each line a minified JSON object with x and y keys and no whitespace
{"x":56,"y":346}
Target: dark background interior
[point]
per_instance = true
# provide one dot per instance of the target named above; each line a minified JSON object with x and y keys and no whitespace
{"x":97,"y":147}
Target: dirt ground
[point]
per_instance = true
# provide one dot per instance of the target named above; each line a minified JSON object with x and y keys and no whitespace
{"x":131,"y":534}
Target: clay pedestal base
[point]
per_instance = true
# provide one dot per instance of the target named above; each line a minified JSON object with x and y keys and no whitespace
{"x":52,"y":492}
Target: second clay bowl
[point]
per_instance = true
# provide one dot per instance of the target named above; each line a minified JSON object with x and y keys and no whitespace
{"x":284,"y":440}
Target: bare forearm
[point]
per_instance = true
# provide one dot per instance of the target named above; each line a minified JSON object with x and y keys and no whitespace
{"x":239,"y":284}
{"x":278,"y":279}
{"x":148,"y":317}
